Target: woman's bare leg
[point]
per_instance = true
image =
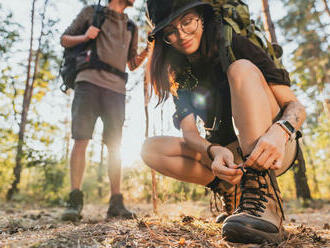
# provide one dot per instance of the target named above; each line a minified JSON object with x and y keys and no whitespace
{"x":172,"y":157}
{"x":253,"y":104}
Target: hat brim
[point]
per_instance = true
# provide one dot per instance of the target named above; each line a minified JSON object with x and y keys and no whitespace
{"x":174,"y":15}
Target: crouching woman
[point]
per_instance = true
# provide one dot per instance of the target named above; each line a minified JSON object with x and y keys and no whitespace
{"x":252,"y":95}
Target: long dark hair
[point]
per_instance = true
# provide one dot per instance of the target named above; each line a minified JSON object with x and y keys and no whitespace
{"x":167,"y":64}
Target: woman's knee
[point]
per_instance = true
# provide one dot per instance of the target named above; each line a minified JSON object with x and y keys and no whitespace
{"x":149,"y":148}
{"x":240,"y":70}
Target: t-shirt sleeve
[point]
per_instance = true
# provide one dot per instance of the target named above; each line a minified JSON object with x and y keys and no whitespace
{"x":243,"y":48}
{"x":81,"y":23}
{"x":183,"y":106}
{"x":134,"y":43}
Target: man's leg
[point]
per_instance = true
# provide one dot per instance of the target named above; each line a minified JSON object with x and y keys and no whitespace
{"x":84,"y":115}
{"x":113,"y":116}
{"x":259,"y":215}
{"x":114,"y":169}
{"x":78,"y":163}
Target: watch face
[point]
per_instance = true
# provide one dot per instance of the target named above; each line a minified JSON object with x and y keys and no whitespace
{"x":289,"y":126}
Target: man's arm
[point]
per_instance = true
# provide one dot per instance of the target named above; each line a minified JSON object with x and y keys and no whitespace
{"x":73,"y":40}
{"x":137,"y":60}
{"x":80,"y":30}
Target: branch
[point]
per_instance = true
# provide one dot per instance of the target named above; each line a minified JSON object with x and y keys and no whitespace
{"x":326,"y":7}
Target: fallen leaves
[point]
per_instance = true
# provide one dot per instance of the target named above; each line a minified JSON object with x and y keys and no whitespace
{"x":42,"y":228}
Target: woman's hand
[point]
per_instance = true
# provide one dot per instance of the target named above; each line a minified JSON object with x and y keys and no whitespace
{"x":223,"y":165}
{"x":269,"y":150}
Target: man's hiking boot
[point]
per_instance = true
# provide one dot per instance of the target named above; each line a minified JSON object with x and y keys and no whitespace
{"x":230,"y":196}
{"x":75,"y":205}
{"x":117,"y":208}
{"x":259,"y":216}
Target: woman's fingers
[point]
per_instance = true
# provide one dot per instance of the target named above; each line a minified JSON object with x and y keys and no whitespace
{"x":223,"y":170}
{"x":254,"y":155}
{"x":232,"y":180}
{"x":277,"y":163}
{"x":271,"y":161}
{"x":264,"y":156}
{"x":230,"y":163}
{"x":231,"y":175}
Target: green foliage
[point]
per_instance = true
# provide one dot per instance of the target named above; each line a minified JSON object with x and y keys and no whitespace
{"x":137,"y":184}
{"x":311,"y":58}
{"x":307,"y":26}
{"x":9,"y":31}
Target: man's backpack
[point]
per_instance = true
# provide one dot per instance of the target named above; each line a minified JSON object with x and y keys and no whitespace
{"x":235,"y":16}
{"x":84,"y":56}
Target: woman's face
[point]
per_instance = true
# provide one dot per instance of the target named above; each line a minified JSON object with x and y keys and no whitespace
{"x":185,"y":32}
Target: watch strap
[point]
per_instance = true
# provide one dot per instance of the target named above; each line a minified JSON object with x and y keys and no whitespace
{"x":287,"y":127}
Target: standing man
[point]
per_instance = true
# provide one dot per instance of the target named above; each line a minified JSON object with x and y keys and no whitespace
{"x":101,"y":93}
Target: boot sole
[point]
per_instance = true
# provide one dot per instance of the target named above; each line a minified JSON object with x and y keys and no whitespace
{"x":130,"y":217}
{"x":71,"y":217}
{"x":238,"y":233}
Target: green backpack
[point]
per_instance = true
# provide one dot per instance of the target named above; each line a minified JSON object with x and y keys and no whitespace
{"x":236,"y":18}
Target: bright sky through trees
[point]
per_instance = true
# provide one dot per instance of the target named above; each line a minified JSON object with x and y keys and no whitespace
{"x":135,"y":123}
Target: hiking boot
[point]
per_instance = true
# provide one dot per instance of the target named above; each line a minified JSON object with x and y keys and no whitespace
{"x":117,"y":208}
{"x":230,"y":197}
{"x":75,"y":205}
{"x":259,"y":216}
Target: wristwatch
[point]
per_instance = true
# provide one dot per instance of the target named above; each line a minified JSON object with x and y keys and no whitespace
{"x":288,"y":128}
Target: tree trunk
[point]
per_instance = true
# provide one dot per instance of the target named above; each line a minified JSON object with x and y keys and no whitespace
{"x":27,"y":99}
{"x":153,"y":173}
{"x":19,"y":152}
{"x":326,"y":7}
{"x":302,"y":188}
{"x":268,"y":23}
{"x":316,"y":189}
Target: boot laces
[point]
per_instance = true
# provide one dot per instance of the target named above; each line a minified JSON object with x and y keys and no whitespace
{"x":223,"y":199}
{"x":253,"y":196}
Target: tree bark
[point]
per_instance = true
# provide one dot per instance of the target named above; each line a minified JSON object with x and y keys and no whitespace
{"x":19,"y":152}
{"x":326,"y":7}
{"x":29,"y":85}
{"x":302,"y":188}
{"x":268,"y":23}
{"x":153,"y":173}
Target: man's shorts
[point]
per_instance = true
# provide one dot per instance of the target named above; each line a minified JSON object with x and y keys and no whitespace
{"x":90,"y":102}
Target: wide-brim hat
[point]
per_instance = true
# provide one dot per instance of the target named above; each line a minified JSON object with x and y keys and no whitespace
{"x":161,"y":13}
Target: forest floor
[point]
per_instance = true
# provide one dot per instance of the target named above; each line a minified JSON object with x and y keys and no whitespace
{"x":186,"y":224}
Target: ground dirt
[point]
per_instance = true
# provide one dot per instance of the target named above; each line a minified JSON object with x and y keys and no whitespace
{"x":186,"y":224}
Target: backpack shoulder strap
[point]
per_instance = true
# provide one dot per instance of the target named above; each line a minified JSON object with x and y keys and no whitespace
{"x":227,"y":55}
{"x":131,"y":26}
{"x":99,"y":15}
